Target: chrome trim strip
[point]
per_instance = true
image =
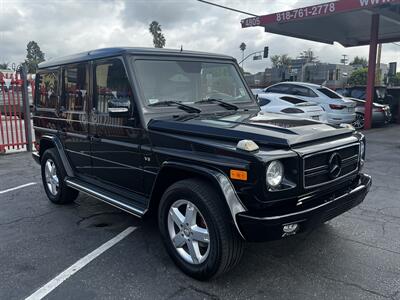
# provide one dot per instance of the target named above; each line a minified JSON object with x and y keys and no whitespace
{"x":127,"y":208}
{"x":327,"y":151}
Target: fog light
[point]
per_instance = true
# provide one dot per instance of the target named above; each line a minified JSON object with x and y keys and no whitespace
{"x":290,"y":229}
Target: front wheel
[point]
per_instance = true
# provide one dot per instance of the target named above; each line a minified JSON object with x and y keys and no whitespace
{"x":359,"y":121}
{"x":197,"y":230}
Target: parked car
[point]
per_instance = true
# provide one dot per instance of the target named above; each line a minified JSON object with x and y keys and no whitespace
{"x":190,"y":145}
{"x":383,"y":95}
{"x":338,"y":108}
{"x":287,"y":104}
{"x":381,"y":114}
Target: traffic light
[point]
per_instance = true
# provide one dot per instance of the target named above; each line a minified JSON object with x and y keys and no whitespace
{"x":266,"y":49}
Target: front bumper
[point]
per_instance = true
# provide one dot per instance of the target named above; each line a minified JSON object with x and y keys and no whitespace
{"x":259,"y":229}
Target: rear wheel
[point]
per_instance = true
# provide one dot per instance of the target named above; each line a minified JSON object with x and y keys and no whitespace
{"x":359,"y":121}
{"x":197,"y":231}
{"x":53,"y":175}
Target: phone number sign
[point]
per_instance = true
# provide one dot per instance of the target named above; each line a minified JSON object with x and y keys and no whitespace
{"x":314,"y":11}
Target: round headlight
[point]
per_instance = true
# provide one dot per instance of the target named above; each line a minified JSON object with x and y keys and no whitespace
{"x":274,"y":173}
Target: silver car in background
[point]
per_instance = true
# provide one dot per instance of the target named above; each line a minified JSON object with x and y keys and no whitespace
{"x":381,"y":114}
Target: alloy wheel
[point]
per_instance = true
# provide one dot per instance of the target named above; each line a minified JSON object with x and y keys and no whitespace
{"x":188,"y":232}
{"x":52,"y":181}
{"x":359,"y":121}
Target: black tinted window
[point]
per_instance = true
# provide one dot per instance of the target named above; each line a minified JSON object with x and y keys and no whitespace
{"x":112,"y":87}
{"x":47,"y":94}
{"x":263,"y":101}
{"x":280,"y":89}
{"x":331,"y":94}
{"x":303,"y":91}
{"x":76,"y":88}
{"x":292,"y":100}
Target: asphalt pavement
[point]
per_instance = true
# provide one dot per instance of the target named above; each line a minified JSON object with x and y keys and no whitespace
{"x":354,"y":256}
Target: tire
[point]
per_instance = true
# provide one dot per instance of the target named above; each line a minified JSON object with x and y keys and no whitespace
{"x":224,"y":248}
{"x":359,"y":121}
{"x":61,"y":194}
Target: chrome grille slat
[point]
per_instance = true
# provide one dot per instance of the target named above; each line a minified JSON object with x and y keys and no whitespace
{"x":316,"y":168}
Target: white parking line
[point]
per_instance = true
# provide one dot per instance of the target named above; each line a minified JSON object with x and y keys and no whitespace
{"x":18,"y":187}
{"x":55,"y":282}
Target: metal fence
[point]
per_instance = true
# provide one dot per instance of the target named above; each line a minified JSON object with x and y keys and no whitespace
{"x":16,"y":99}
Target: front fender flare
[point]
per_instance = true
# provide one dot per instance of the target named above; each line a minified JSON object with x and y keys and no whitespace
{"x":227,"y":189}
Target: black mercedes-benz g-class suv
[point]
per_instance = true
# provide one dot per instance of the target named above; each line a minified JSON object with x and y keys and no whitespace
{"x":180,"y":133}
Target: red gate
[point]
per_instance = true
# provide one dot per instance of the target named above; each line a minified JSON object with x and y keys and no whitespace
{"x":13,"y":133}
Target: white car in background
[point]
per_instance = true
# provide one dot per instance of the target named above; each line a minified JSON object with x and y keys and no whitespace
{"x":338,"y":108}
{"x":287,"y":104}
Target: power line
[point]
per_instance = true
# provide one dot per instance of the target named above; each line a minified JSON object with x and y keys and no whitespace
{"x":228,"y":8}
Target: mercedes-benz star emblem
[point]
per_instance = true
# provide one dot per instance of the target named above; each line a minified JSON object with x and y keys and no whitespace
{"x":334,"y":165}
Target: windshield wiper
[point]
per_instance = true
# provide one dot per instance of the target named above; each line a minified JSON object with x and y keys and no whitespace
{"x":178,"y":104}
{"x":220,"y":102}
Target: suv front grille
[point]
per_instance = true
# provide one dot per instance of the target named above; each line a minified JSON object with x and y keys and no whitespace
{"x":319,"y":167}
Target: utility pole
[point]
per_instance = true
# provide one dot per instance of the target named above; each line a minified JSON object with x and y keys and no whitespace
{"x":378,"y":66}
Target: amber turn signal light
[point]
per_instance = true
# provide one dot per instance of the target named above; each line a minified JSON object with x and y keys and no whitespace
{"x":238,"y":175}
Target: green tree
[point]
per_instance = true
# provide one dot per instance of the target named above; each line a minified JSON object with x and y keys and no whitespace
{"x":396,"y":80}
{"x":359,"y":61}
{"x":34,"y":56}
{"x":156,"y":32}
{"x":281,"y":61}
{"x":308,"y":55}
{"x":359,"y":77}
{"x":4,"y":65}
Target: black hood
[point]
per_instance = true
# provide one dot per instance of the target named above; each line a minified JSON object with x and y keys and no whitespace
{"x":263,"y":128}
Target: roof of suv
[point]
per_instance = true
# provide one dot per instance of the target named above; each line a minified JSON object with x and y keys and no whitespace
{"x":109,"y":52}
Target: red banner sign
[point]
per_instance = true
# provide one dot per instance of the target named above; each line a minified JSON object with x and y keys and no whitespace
{"x":314,"y":11}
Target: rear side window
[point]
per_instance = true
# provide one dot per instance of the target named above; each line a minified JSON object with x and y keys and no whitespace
{"x":331,"y":94}
{"x":75,"y":94}
{"x":292,"y":100}
{"x":280,"y":89}
{"x":263,"y":101}
{"x":302,"y":91}
{"x":47,"y":94}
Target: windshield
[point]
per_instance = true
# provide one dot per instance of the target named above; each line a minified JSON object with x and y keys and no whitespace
{"x":189,"y":81}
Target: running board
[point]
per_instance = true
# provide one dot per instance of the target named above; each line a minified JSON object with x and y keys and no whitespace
{"x":105,"y":196}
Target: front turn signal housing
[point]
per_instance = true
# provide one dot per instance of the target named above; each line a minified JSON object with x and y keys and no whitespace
{"x":238,"y":175}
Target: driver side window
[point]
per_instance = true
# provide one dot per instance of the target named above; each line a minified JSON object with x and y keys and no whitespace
{"x":111,"y":87}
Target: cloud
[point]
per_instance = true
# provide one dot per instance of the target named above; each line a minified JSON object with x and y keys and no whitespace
{"x":66,"y":27}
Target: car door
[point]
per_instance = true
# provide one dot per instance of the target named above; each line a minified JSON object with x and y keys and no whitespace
{"x":73,"y":117}
{"x":117,"y":135}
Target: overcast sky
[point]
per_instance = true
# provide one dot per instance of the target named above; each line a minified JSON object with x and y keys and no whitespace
{"x":68,"y":26}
